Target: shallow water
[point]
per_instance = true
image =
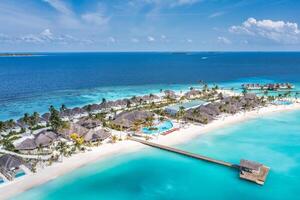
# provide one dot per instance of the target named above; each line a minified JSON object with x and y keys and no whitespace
{"x":154,"y":174}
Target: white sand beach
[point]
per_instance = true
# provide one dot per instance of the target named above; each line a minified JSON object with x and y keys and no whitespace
{"x":104,"y":151}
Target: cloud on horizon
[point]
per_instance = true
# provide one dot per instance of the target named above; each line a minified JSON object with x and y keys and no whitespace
{"x":277,"y":31}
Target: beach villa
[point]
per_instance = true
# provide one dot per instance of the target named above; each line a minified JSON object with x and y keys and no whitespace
{"x":43,"y":142}
{"x":128,"y":119}
{"x":12,"y":166}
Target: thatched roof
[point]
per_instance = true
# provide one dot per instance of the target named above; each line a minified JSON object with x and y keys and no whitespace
{"x":197,"y":116}
{"x":45,"y":138}
{"x":27,"y":144}
{"x":73,"y":128}
{"x":127,"y":119}
{"x":94,"y":135}
{"x":191,"y":93}
{"x":89,"y":123}
{"x":250,"y":164}
{"x":8,"y":162}
{"x":46,"y":116}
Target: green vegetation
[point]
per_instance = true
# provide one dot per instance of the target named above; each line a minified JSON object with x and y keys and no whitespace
{"x":55,"y":121}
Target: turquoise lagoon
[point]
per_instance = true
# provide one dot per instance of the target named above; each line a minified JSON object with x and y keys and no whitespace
{"x":152,"y":174}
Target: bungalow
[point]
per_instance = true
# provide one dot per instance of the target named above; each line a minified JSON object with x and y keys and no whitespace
{"x":11,"y":165}
{"x":127,"y":119}
{"x":95,"y":135}
{"x":192,"y":94}
{"x":250,"y":166}
{"x":46,"y":117}
{"x":74,"y":128}
{"x":170,"y":94}
{"x":78,"y":113}
{"x":89,"y":123}
{"x":196,"y":116}
{"x":42,"y":142}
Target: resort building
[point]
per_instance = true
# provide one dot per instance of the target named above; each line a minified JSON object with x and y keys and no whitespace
{"x":97,"y":135}
{"x":11,"y":166}
{"x":170,"y":94}
{"x":127,"y":119}
{"x":42,"y":143}
{"x":192,"y":94}
{"x":270,"y":86}
{"x":174,"y":109}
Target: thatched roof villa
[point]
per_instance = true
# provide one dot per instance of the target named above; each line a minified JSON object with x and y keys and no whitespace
{"x":43,"y":140}
{"x":96,"y":135}
{"x":9,"y":165}
{"x":127,"y":119}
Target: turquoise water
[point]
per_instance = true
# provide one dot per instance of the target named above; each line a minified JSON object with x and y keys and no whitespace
{"x":152,"y":174}
{"x":279,"y":102}
{"x":20,"y":174}
{"x":165,"y":126}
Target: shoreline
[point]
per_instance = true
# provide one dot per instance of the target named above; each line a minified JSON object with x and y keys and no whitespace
{"x":103,"y":152}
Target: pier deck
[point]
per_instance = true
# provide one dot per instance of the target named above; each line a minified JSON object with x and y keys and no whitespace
{"x":247,"y":174}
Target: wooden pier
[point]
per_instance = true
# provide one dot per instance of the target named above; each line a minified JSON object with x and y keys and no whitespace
{"x":249,"y":170}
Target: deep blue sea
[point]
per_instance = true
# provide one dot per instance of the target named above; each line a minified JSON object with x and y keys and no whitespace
{"x":33,"y":83}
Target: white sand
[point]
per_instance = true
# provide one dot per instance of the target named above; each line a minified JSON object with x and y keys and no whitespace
{"x":22,"y":184}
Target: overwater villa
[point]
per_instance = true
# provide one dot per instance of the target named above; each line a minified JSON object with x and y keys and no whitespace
{"x":270,"y":86}
{"x":12,"y":166}
{"x":253,"y":171}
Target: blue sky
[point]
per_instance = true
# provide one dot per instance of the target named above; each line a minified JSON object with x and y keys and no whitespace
{"x":149,"y":25}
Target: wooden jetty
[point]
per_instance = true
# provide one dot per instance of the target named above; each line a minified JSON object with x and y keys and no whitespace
{"x":249,"y":170}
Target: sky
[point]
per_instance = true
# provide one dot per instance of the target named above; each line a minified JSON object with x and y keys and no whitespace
{"x":149,"y":25}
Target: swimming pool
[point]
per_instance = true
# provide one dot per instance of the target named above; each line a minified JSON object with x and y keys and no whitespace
{"x":19,"y":174}
{"x":162,"y":127}
{"x":282,"y":102}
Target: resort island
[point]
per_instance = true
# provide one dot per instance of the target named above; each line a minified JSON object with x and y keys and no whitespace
{"x":39,"y":147}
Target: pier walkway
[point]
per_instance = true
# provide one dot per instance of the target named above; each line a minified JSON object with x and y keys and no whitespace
{"x":257,"y":175}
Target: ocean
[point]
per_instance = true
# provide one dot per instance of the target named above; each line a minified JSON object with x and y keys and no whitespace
{"x":34,"y":83}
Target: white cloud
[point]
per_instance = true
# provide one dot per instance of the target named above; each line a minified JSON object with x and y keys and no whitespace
{"x":60,"y":6}
{"x":223,"y":40}
{"x":216,"y":14}
{"x":135,"y":40}
{"x":189,"y":40}
{"x":45,"y":37}
{"x":278,"y":31}
{"x":151,"y":39}
{"x":95,"y":18}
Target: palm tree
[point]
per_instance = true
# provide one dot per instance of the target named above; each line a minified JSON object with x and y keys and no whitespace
{"x":114,"y":139}
{"x":2,"y":126}
{"x":63,"y":108}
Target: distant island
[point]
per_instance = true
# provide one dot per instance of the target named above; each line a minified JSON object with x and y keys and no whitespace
{"x":15,"y":54}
